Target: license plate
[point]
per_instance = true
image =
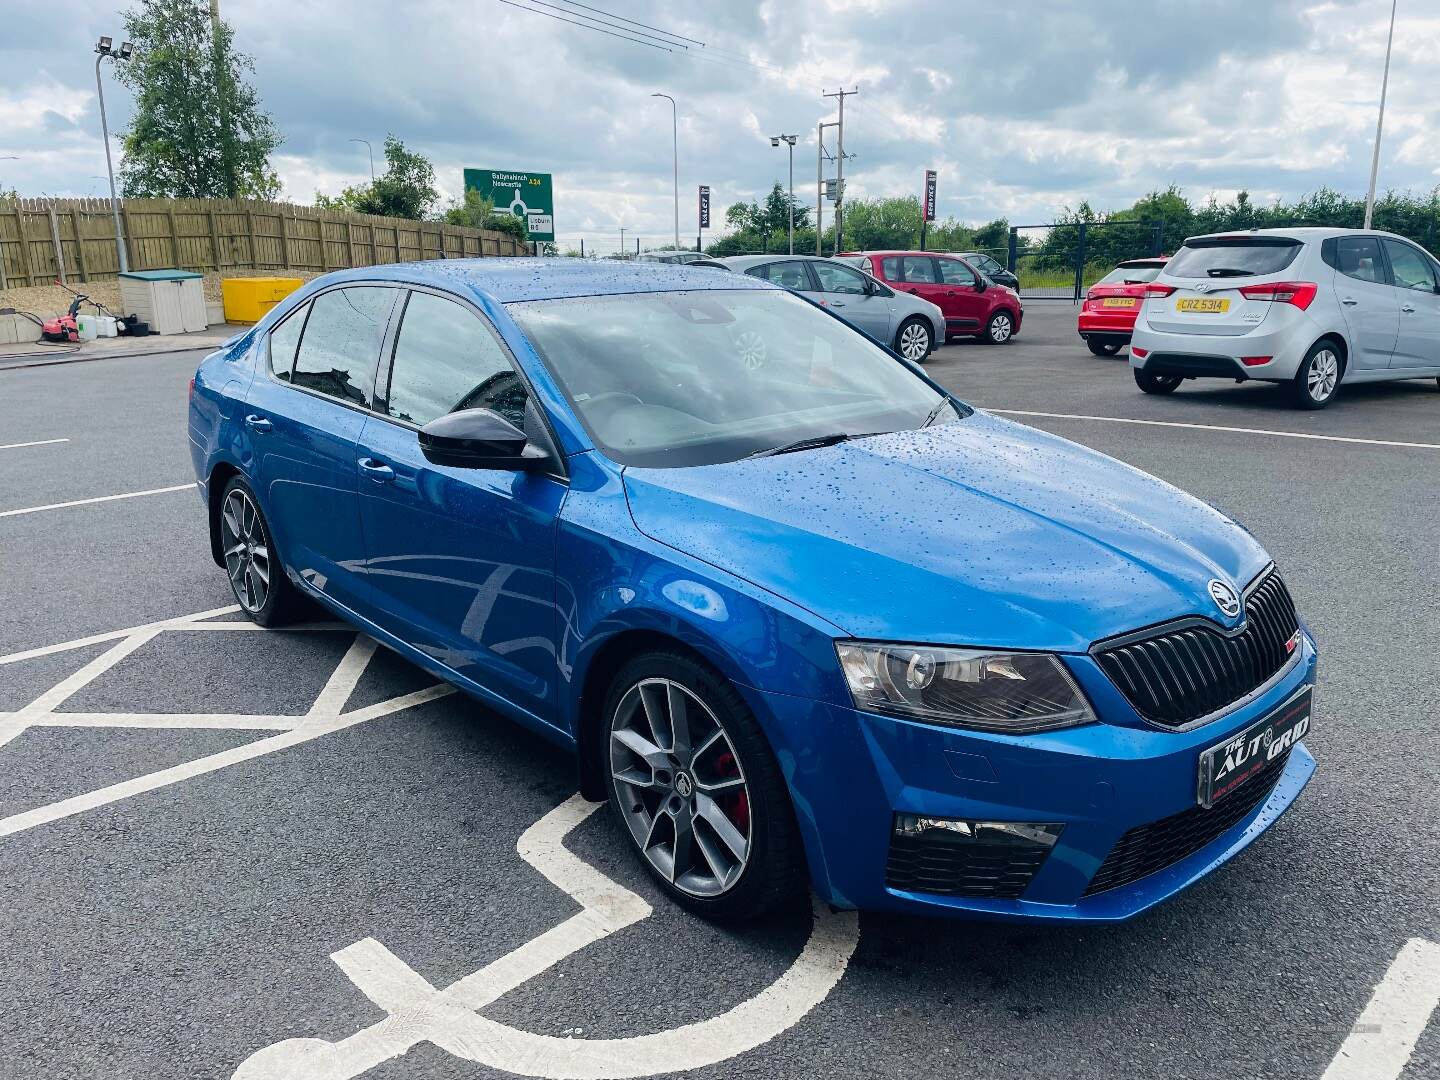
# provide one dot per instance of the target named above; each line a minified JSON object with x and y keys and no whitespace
{"x":1117,"y":301}
{"x":1225,"y":766}
{"x":1204,"y":305}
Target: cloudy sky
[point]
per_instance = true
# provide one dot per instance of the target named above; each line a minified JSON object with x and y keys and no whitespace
{"x":1023,"y":106}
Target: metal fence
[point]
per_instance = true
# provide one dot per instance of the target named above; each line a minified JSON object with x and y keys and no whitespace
{"x":74,"y":239}
{"x":1060,"y":261}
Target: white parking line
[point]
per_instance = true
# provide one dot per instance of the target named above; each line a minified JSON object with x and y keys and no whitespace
{"x":97,"y":499}
{"x":1384,"y":1037}
{"x":1217,"y":427}
{"x":37,"y":442}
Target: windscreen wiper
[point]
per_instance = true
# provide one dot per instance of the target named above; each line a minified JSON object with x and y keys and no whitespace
{"x":935,"y":412}
{"x":812,"y":442}
{"x":1229,"y":271}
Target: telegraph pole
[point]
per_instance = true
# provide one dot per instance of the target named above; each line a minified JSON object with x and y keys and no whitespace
{"x":820,"y":157}
{"x":1380,"y":120}
{"x":840,"y":167}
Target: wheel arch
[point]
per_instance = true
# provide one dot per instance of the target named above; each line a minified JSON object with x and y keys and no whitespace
{"x":1342,"y":346}
{"x":214,"y":487}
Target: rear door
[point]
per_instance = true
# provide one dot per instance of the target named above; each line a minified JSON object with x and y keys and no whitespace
{"x":1370,"y":303}
{"x":1208,"y":275}
{"x":789,"y":274}
{"x":461,"y":560}
{"x":303,"y":418}
{"x":918,"y":275}
{"x":1417,"y":342}
{"x":849,"y":293}
{"x":965,"y":309}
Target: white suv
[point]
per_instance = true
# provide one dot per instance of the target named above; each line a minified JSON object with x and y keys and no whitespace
{"x":1309,"y":307}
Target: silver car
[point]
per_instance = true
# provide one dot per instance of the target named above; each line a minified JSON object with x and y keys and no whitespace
{"x":909,"y":325}
{"x":1311,"y":308}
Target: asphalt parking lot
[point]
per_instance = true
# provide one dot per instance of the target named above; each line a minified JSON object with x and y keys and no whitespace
{"x":218,"y":840}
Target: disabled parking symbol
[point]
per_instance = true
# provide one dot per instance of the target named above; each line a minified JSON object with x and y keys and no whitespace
{"x":450,"y":1018}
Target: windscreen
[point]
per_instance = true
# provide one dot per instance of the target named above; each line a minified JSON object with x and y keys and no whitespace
{"x":1241,"y":257}
{"x":1126,"y":275}
{"x":693,"y":378}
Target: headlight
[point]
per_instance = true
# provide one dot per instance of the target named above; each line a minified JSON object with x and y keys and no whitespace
{"x":973,"y":688}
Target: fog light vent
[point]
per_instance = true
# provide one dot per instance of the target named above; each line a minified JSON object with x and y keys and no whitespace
{"x":953,"y":857}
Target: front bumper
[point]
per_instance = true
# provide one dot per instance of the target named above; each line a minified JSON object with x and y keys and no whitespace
{"x":851,"y":772}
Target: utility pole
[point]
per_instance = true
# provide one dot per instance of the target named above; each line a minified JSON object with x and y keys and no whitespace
{"x":1380,"y":120}
{"x":840,"y":167}
{"x":820,"y":157}
{"x":622,"y":241}
{"x":789,"y":141}
{"x":103,"y":49}
{"x":675,"y":147}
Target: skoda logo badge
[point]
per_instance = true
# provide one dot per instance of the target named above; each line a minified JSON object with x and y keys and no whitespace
{"x":1225,"y":598}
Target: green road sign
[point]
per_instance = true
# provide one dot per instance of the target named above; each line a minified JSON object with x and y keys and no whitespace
{"x":527,"y":195}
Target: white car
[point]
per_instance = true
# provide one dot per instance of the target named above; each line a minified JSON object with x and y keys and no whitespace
{"x":1313,"y":308}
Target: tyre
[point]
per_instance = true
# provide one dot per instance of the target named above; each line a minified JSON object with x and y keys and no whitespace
{"x":1157,"y":384}
{"x":1101,"y":347}
{"x":1318,"y":377}
{"x":1000,"y":328}
{"x":914,"y":340}
{"x":696,"y":788}
{"x":257,"y":578}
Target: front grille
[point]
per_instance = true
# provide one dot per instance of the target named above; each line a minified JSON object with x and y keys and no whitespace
{"x":1177,"y":676}
{"x":937,"y":862}
{"x":1148,"y":848}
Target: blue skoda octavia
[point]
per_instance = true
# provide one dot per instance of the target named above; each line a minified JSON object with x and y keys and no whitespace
{"x":803,"y":617}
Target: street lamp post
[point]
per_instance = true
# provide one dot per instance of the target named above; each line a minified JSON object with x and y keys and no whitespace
{"x":371,"y":149}
{"x":103,"y":48}
{"x":1380,"y":120}
{"x":789,"y":141}
{"x":675,"y":145}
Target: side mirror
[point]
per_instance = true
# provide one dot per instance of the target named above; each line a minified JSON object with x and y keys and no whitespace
{"x":479,"y":439}
{"x":980,"y":283}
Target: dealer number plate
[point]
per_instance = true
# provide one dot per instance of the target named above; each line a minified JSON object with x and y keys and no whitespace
{"x":1118,"y":301}
{"x":1226,"y":766}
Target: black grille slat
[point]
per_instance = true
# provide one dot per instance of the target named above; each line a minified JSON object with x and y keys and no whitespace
{"x":1175,"y":677}
{"x":1147,"y":849}
{"x":934,"y":862}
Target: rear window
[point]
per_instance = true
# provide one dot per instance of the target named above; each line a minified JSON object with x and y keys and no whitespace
{"x":1241,"y":257}
{"x":1124,"y":275}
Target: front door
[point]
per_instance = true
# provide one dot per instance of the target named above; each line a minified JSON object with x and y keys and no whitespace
{"x":915,"y":274}
{"x":964,"y":308}
{"x":303,"y":417}
{"x":1370,"y":303}
{"x":1417,"y":343}
{"x":461,"y":561}
{"x":854,"y":299}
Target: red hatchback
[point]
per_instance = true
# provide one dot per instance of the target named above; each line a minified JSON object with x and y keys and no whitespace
{"x":974,"y":306}
{"x":1107,"y":317}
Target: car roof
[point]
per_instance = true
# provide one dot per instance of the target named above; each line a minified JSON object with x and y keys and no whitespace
{"x":1148,"y":260}
{"x":1308,"y":234}
{"x":508,"y":281}
{"x":744,"y":262}
{"x":899,"y":251}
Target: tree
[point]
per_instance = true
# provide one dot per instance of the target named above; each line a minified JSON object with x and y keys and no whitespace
{"x":198,"y":130}
{"x":407,"y":190}
{"x":478,"y":212}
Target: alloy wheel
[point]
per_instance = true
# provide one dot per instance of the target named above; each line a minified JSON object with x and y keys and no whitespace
{"x":246,"y":548}
{"x":680,"y":787}
{"x":1001,"y":328}
{"x":1324,"y":373}
{"x":914,"y":342}
{"x":752,"y":349}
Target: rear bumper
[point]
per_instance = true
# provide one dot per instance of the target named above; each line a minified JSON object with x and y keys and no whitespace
{"x":851,"y":772}
{"x":1219,"y":355}
{"x":1107,"y":324}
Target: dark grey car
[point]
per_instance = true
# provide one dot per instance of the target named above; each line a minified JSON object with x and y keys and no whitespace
{"x":909,"y":325}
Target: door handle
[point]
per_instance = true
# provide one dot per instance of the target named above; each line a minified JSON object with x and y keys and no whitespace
{"x":1349,"y":301}
{"x":377,"y":470}
{"x":913,"y":292}
{"x":1408,"y":308}
{"x":837,"y":303}
{"x":258,"y":424}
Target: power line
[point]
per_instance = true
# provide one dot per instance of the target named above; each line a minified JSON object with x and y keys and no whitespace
{"x":632,"y":22}
{"x":587,"y":26}
{"x":617,"y":26}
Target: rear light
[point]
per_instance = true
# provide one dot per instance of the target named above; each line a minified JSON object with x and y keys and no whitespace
{"x":1156,"y":289}
{"x":1255,"y":361}
{"x":1298,"y":293}
{"x":192,"y":387}
{"x":1141,"y":353}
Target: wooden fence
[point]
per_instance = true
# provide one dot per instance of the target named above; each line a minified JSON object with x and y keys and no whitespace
{"x":42,"y":240}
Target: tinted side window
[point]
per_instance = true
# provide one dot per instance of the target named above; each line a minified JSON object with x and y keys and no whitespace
{"x":839,"y":279}
{"x":1409,"y":267}
{"x":1358,"y":257}
{"x":955,"y":272}
{"x":446,"y":358}
{"x":867,"y":266}
{"x":891,"y":268}
{"x":342,"y":341}
{"x":283,"y":340}
{"x":918,"y":268}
